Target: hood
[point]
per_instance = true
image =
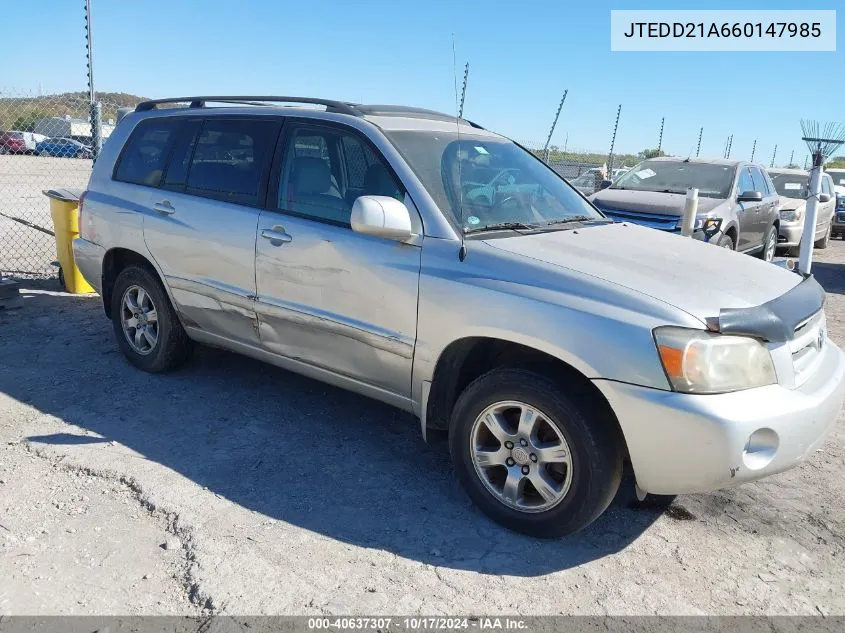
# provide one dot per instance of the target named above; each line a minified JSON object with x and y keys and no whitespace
{"x":693,"y":276}
{"x":651,"y":202}
{"x":791,"y":204}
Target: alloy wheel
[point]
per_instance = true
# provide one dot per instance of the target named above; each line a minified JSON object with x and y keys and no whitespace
{"x":521,"y":457}
{"x":139,"y":319}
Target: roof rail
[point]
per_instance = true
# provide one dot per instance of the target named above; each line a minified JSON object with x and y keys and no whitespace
{"x":200,"y":101}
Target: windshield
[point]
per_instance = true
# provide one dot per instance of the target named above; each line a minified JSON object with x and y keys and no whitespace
{"x":483,"y":181}
{"x":838,"y":176}
{"x":712,"y":181}
{"x":791,"y":185}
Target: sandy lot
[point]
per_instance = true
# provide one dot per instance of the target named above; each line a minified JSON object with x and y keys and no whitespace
{"x":235,"y":487}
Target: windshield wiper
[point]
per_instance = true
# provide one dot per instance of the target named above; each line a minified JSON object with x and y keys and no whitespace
{"x":578,"y":218}
{"x":501,"y":226}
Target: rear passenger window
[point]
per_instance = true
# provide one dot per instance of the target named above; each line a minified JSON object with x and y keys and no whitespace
{"x":229,"y":159}
{"x":180,"y":158}
{"x":146,"y":152}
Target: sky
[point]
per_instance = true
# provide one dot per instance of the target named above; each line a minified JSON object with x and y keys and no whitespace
{"x":522,"y":56}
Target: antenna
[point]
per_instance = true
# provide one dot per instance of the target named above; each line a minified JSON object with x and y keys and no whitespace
{"x":463,"y":90}
{"x":698,"y":149}
{"x":613,"y":140}
{"x":552,"y":129}
{"x":462,"y":252}
{"x":774,"y":153}
{"x":822,"y":141}
{"x":660,"y":140}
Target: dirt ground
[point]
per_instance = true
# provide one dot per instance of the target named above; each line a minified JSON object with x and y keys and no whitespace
{"x":235,"y":487}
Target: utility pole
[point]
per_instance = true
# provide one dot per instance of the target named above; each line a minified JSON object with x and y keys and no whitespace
{"x":95,"y":109}
{"x":565,"y":142}
{"x":698,"y":149}
{"x":774,"y":153}
{"x":552,"y":129}
{"x":613,"y":141}
{"x":660,"y":140}
{"x":753,"y":149}
{"x":463,"y":91}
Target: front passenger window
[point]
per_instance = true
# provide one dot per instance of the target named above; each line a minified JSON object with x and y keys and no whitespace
{"x":325,"y":170}
{"x":745,"y":182}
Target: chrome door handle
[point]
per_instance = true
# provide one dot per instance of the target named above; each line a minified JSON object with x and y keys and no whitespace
{"x":276,"y":234}
{"x":164,"y":207}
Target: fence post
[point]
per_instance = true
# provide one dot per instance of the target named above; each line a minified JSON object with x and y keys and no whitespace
{"x":690,"y":211}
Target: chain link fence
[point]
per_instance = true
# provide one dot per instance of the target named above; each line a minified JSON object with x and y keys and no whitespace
{"x":45,"y":143}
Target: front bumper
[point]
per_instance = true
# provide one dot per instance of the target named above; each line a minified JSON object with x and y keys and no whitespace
{"x":790,"y":234}
{"x":682,"y":443}
{"x":89,"y":259}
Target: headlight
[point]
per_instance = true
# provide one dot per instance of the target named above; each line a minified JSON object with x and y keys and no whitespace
{"x":696,"y":361}
{"x":792,"y":216}
{"x":709,"y":225}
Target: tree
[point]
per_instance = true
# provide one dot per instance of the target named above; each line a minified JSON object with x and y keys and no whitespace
{"x":837,"y":162}
{"x":26,"y":122}
{"x":651,"y":153}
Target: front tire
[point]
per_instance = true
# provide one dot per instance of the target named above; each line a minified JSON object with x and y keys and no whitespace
{"x":726,"y":241}
{"x":770,"y":243}
{"x":823,"y":242}
{"x":532,"y":456}
{"x":147,"y":327}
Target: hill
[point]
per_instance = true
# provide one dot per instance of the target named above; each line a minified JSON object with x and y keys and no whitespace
{"x":21,"y":113}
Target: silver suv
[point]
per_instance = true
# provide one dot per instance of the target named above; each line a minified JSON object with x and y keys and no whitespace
{"x":436,"y":266}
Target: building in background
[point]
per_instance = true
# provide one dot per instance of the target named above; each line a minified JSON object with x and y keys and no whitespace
{"x":69,"y":127}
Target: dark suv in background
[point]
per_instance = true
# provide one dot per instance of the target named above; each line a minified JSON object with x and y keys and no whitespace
{"x":737,"y":205}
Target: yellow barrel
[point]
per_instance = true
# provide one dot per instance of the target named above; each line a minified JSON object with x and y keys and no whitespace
{"x":64,"y":207}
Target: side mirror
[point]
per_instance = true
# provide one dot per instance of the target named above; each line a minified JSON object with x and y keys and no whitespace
{"x":824,"y":197}
{"x":750,"y":196}
{"x":381,"y":216}
{"x":605,"y":184}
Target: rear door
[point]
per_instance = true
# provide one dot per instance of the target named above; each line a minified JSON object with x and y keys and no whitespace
{"x":202,"y":219}
{"x":750,"y":234}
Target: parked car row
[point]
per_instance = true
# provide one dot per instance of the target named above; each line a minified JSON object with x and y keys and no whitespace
{"x":16,"y":142}
{"x":443,"y":269}
{"x":742,"y":206}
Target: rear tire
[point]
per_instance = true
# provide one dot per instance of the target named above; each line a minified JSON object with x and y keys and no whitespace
{"x":592,"y":444}
{"x":162,"y":343}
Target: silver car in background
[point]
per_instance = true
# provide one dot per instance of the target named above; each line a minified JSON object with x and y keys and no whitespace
{"x":441,"y":268}
{"x":793,"y":187}
{"x":737,"y":203}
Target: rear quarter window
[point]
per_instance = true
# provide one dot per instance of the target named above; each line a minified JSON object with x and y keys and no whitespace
{"x":145,"y":155}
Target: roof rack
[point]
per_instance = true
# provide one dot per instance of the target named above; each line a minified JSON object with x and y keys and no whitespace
{"x":199,"y":102}
{"x":340,"y":107}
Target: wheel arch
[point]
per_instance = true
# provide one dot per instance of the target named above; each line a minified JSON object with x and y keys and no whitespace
{"x":117,"y":259}
{"x":466,"y":359}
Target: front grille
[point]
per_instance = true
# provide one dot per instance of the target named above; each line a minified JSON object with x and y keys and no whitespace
{"x":840,"y":217}
{"x":651,"y":220}
{"x":806,"y":345}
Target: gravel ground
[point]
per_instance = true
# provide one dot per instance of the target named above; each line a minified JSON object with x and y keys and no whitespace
{"x":235,"y":487}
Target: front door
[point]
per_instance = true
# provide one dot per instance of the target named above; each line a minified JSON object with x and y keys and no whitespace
{"x":750,"y":234}
{"x":328,"y":296}
{"x":203,"y":217}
